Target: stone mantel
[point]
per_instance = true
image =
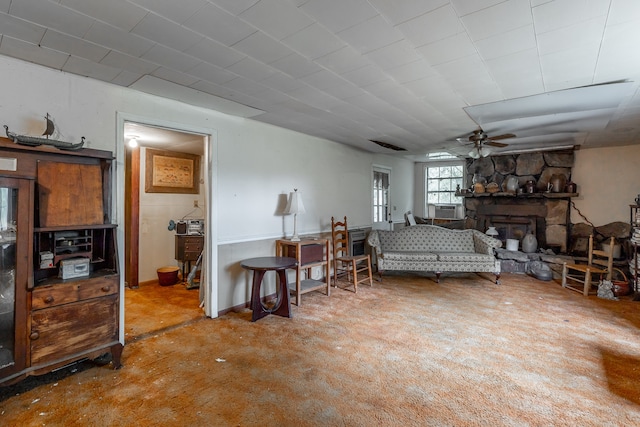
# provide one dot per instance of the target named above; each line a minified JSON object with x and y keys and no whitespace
{"x":520,"y":196}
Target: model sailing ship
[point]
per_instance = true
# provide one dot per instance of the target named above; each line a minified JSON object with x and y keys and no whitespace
{"x":34,"y":141}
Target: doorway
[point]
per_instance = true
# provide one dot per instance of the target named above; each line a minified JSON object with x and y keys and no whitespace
{"x":153,"y":231}
{"x":150,"y":231}
{"x":381,"y":199}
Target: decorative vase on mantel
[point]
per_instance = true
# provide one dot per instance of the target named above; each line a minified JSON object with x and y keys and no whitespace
{"x":529,"y":243}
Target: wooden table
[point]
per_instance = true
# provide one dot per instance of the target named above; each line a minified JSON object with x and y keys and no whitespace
{"x":310,"y":254}
{"x":260,"y":266}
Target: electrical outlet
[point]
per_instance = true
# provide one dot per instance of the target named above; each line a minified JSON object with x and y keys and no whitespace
{"x":195,"y":203}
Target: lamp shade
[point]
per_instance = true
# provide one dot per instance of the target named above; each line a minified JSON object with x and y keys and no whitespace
{"x":294,"y":205}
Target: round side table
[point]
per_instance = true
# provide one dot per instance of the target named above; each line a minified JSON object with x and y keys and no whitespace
{"x":260,"y":266}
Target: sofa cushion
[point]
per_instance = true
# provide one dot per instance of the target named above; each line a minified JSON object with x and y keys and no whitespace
{"x":410,"y":256}
{"x":464,"y":257}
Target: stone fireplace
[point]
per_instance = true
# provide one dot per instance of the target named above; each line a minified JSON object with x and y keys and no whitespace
{"x":543,"y":213}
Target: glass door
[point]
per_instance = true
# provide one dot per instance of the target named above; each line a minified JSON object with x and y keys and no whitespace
{"x":381,"y":199}
{"x":15,"y":214}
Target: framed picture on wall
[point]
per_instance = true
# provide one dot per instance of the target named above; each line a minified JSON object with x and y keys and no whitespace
{"x":171,"y":172}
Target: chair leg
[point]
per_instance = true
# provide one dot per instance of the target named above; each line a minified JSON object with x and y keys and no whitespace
{"x":369,"y":270}
{"x":564,"y":275}
{"x":354,"y":269}
{"x":587,"y":282}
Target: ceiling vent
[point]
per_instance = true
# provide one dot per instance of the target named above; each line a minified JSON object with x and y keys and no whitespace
{"x":389,"y":146}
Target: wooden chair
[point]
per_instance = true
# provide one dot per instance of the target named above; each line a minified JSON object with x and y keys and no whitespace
{"x":345,"y":264}
{"x":599,"y":262}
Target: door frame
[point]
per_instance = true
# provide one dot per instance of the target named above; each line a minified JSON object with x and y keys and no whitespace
{"x":210,"y":165}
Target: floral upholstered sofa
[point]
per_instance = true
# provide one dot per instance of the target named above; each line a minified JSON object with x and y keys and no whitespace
{"x":435,"y":249}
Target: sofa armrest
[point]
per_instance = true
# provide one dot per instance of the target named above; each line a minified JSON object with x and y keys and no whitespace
{"x":374,"y":241}
{"x":484,"y":244}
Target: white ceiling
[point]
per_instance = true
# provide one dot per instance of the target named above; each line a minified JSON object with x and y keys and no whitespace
{"x":414,"y":73}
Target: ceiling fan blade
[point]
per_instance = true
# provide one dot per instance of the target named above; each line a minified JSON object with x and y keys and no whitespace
{"x":495,"y":143}
{"x":503,"y":136}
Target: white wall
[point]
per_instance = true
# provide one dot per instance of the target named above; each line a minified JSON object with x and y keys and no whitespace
{"x":157,"y":243}
{"x":258,"y":164}
{"x":608,"y":182}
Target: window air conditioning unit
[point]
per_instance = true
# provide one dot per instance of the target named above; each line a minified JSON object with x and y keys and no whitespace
{"x":445,"y":211}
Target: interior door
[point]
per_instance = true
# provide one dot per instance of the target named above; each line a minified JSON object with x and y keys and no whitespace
{"x":381,"y":199}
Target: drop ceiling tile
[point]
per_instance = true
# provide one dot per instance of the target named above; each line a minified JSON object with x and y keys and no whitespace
{"x":296,"y":65}
{"x":622,"y":11}
{"x":219,"y":25}
{"x":74,"y":46}
{"x":433,"y":26}
{"x":277,"y":18}
{"x":413,"y":71}
{"x":585,"y":33}
{"x":212,"y":89}
{"x":251,"y":69}
{"x":262,"y":47}
{"x":177,"y":11}
{"x":498,"y":19}
{"x":235,"y":6}
{"x":20,"y":29}
{"x":126,"y":78}
{"x":343,"y":60}
{"x":517,"y":74}
{"x":569,"y":68}
{"x":344,"y":91}
{"x":215,"y":53}
{"x":337,"y":15}
{"x":314,"y":98}
{"x":393,"y":55}
{"x":244,"y":85}
{"x":370,"y":35}
{"x":170,"y":58}
{"x":4,"y":6}
{"x":558,"y":14}
{"x":507,"y":43}
{"x":397,"y":12}
{"x":323,"y":79}
{"x":119,"y":13}
{"x":365,"y":76}
{"x":313,"y":42}
{"x":87,"y":68}
{"x":173,"y":76}
{"x":449,"y":49}
{"x":52,"y":15}
{"x":614,"y":61}
{"x":282,"y":82}
{"x":126,"y":62}
{"x":211,"y":73}
{"x":117,"y":39}
{"x":32,"y":53}
{"x":167,"y":33}
{"x":466,"y":7}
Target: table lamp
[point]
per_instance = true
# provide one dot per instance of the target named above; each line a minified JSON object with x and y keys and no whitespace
{"x":294,"y":206}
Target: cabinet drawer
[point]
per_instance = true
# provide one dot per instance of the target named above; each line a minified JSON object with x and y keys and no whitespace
{"x":77,"y":290}
{"x":60,"y":332}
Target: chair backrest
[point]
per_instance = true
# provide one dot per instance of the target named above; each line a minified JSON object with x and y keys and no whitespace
{"x":340,"y":237}
{"x":602,"y":257}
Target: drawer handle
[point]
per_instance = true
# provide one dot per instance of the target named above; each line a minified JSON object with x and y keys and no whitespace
{"x":106,"y":288}
{"x":49,"y":299}
{"x":34,"y":335}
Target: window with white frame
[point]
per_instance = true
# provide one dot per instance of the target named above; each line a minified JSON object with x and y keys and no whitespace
{"x":441,"y":181}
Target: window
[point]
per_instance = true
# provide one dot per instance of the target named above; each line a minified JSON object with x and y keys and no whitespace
{"x":380,"y":196}
{"x":441,"y":182}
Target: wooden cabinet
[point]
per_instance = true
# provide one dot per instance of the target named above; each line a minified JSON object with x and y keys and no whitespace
{"x":311,"y":254}
{"x":63,"y":266}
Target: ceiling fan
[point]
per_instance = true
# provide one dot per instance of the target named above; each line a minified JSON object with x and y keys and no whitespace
{"x":480,"y":140}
